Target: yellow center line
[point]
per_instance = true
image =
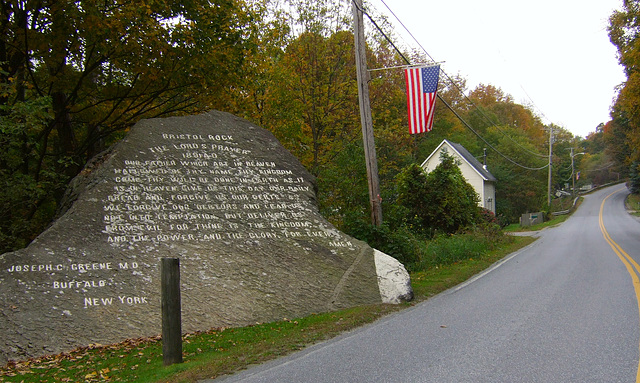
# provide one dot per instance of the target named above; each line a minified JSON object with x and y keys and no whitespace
{"x":626,"y":260}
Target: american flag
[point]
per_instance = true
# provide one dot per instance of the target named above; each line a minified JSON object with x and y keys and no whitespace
{"x":422,"y":85}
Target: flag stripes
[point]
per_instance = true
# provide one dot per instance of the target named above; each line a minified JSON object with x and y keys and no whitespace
{"x":422,"y":86}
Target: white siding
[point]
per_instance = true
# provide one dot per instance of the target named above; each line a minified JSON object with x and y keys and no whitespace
{"x":485,"y":189}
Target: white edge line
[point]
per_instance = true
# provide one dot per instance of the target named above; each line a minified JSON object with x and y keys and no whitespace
{"x":492,"y":268}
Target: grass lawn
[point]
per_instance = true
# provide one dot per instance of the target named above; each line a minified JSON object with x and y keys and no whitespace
{"x":222,"y":351}
{"x":553,"y":222}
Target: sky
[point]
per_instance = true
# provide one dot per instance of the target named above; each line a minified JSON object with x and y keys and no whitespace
{"x":554,"y":55}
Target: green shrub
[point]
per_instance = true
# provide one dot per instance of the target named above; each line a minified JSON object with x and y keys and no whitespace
{"x":447,"y":249}
{"x":399,"y":243}
{"x":441,"y":201}
{"x":417,"y":253}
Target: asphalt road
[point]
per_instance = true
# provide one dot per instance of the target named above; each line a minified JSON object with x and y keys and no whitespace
{"x":564,"y":309}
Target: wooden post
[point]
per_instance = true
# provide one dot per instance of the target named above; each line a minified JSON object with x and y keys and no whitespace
{"x":365,"y":115}
{"x":171,"y":311}
{"x":550,"y":165}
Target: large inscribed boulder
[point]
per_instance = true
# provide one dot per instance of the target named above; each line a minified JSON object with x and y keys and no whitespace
{"x":215,"y":191}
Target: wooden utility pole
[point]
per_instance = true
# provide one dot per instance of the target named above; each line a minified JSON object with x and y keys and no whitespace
{"x":365,"y":114}
{"x":573,"y":178}
{"x":573,"y":173}
{"x":550,"y":163}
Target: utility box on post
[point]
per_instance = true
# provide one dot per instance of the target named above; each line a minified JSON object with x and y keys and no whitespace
{"x":530,"y":219}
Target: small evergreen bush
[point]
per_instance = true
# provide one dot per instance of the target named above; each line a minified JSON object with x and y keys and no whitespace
{"x":441,"y":201}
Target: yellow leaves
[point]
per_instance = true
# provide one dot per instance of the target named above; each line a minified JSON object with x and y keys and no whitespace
{"x":101,"y":375}
{"x":295,"y":322}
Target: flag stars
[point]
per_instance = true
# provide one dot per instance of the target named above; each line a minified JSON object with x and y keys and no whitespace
{"x":430,"y":78}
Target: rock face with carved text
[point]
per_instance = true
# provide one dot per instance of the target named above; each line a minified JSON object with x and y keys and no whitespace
{"x":213,"y":190}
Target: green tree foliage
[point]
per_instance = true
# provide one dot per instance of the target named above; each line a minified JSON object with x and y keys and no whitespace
{"x":454,"y":199}
{"x":74,"y":75}
{"x":412,"y":192}
{"x":85,"y":71}
{"x":439,"y":202}
{"x":515,"y":131}
{"x":563,"y":142}
{"x":594,"y":143}
{"x":254,"y":96}
{"x":634,"y":178}
{"x":305,"y":93}
{"x":518,"y":190}
{"x":394,"y":146}
{"x":24,"y":206}
{"x":322,"y":92}
{"x":344,"y":189}
{"x":623,"y":135}
{"x":604,"y":155}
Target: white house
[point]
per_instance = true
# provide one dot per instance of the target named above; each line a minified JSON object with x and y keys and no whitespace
{"x":473,"y":171}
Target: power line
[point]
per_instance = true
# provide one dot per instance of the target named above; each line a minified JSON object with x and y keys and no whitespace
{"x":534,"y":104}
{"x":608,"y":166}
{"x":440,"y":97}
{"x":487,"y":142}
{"x":455,"y":84}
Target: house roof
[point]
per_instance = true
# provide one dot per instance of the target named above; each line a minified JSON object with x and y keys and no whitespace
{"x":467,"y":157}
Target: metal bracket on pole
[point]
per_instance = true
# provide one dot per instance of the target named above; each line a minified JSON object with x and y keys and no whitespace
{"x":427,"y":65}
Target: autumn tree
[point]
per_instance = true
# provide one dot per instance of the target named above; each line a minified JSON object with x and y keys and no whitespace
{"x":616,"y":135}
{"x":634,"y":178}
{"x":488,"y":95}
{"x":322,"y":90}
{"x":623,"y":135}
{"x":344,"y":189}
{"x":254,"y":96}
{"x":91,"y":69}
